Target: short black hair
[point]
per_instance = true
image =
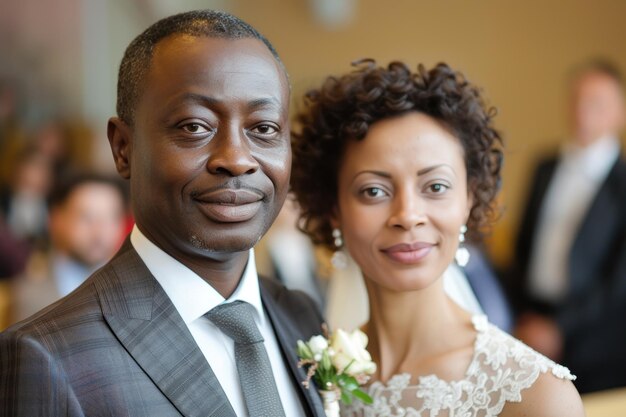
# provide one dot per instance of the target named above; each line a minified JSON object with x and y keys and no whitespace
{"x":63,"y":187}
{"x":200,"y":23}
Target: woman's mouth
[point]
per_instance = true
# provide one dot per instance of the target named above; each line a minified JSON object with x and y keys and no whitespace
{"x":408,"y":253}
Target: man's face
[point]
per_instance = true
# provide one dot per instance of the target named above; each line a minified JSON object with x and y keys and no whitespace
{"x":597,"y":108}
{"x":209,"y":155}
{"x":89,"y":226}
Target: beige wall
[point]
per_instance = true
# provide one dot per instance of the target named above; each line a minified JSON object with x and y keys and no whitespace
{"x":518,"y":51}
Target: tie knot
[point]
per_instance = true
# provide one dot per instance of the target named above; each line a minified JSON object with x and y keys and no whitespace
{"x":236,"y":320}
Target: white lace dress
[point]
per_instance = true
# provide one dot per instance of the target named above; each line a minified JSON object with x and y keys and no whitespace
{"x":501,"y":368}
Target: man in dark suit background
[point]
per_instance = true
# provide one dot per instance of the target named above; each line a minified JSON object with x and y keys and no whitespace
{"x":203,"y":137}
{"x":570,"y":259}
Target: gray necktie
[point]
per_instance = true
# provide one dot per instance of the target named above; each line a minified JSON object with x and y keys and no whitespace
{"x":236,"y":320}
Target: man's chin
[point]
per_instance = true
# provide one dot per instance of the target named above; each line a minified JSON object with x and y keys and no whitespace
{"x":223,"y":246}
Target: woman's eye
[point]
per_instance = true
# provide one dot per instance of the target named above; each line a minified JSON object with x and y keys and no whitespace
{"x":374,"y":192}
{"x":265,"y":129}
{"x":438,"y":188}
{"x":195,"y":128}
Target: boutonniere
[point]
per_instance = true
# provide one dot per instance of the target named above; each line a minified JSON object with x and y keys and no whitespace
{"x":338,"y":365}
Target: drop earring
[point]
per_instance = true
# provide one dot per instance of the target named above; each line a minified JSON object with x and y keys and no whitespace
{"x":462,"y":255}
{"x":339,"y":258}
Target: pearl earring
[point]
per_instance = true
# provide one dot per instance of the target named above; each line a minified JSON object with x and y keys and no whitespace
{"x":462,"y":255}
{"x":339,"y":258}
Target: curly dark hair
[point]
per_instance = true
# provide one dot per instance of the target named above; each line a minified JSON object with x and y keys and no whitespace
{"x":345,"y":108}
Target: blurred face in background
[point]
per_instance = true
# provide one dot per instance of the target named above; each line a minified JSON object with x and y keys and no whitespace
{"x":402,"y":200}
{"x":597,"y":108}
{"x":88,"y":227}
{"x":32,"y":176}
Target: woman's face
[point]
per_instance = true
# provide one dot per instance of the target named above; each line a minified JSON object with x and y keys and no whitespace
{"x":402,"y":200}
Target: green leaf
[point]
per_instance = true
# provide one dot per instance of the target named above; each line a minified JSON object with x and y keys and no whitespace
{"x":346,"y":398}
{"x":362,"y":396}
{"x":325,"y":363}
{"x":348,"y":382}
{"x":304,"y":351}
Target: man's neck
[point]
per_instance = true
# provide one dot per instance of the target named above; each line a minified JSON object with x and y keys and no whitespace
{"x":221,"y":270}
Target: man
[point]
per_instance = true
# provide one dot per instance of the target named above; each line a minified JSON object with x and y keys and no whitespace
{"x":86,"y":226}
{"x":178,"y":322}
{"x":571,"y":250}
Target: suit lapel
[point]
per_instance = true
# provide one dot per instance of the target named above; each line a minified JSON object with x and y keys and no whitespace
{"x":596,"y":236}
{"x":287,"y":335}
{"x":146,"y":322}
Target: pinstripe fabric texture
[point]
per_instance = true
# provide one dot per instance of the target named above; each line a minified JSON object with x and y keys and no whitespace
{"x":117,"y":347}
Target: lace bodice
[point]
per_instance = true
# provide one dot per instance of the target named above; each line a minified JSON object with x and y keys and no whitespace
{"x":500,"y":369}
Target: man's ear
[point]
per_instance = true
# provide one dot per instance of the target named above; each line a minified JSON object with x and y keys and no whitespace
{"x":120,"y":139}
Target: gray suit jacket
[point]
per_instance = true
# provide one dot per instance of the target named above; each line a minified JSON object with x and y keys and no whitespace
{"x":117,"y":347}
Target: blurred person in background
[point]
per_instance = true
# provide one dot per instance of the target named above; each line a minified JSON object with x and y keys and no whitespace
{"x":67,"y":144}
{"x":23,"y":199}
{"x":286,"y":254}
{"x":569,"y":272}
{"x":10,"y":126}
{"x":13,"y":252}
{"x":87,"y":213}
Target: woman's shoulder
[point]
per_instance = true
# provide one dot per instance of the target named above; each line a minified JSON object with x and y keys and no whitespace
{"x":531,"y":383}
{"x":496,"y":349}
{"x":549,"y":396}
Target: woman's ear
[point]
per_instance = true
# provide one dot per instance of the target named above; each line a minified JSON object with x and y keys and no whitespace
{"x":120,"y":140}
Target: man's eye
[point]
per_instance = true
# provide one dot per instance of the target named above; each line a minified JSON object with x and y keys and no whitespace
{"x":195,"y":128}
{"x":265,"y":129}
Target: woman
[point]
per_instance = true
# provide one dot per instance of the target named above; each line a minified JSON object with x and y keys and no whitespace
{"x":395,"y":167}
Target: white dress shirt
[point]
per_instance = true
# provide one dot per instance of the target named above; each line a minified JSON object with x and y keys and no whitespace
{"x":577,"y":178}
{"x":193,"y":297}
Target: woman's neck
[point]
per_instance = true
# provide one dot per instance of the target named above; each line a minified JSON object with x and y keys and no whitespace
{"x":409,"y":328}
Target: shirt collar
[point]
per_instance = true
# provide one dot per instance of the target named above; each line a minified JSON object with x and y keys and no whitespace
{"x":191,"y":295}
{"x":594,"y":160}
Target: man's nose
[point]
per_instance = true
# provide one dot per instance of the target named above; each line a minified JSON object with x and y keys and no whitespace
{"x":230,"y":154}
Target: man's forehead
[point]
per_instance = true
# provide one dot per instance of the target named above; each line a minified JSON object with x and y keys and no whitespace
{"x":180,"y":53}
{"x":221,"y":48}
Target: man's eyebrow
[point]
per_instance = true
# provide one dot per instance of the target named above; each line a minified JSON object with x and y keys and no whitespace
{"x":252,"y":104}
{"x":264,"y":102}
{"x":200,"y":98}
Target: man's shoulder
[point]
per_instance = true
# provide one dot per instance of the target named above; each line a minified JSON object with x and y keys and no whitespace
{"x":78,"y":312}
{"x":72,"y":312}
{"x":619,"y":169}
{"x":547,"y":163}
